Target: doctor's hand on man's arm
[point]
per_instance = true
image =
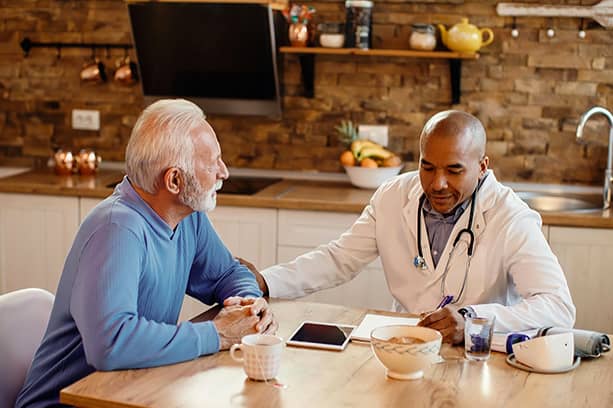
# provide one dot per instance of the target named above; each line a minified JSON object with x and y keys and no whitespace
{"x":448,"y":321}
{"x":258,"y":276}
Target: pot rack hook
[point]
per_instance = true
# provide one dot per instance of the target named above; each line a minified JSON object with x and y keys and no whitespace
{"x":58,"y":53}
{"x":26,"y":46}
{"x":551,"y":32}
{"x":514,"y":30}
{"x":581,"y":34}
{"x":108,"y":52}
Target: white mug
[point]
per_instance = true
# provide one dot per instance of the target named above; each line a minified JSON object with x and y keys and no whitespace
{"x":261,"y":355}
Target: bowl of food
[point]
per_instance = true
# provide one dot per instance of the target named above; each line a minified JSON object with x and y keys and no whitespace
{"x":366,"y":177}
{"x":368,"y":164}
{"x":406,"y":351}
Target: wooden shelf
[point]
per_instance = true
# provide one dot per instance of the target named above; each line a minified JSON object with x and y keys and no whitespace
{"x":379,"y":52}
{"x":307,"y":55}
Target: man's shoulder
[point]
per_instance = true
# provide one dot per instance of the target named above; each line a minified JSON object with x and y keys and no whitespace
{"x":115,"y":211}
{"x":402,"y":184}
{"x":500,"y":201}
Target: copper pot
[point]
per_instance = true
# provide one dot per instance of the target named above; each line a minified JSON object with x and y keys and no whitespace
{"x":88,"y":162}
{"x":127,"y":72}
{"x":93,"y":72}
{"x":64,"y":162}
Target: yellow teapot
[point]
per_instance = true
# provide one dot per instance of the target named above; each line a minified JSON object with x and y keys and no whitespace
{"x":465,"y":37}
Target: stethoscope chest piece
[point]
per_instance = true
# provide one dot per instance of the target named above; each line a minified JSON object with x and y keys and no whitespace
{"x":419,"y":262}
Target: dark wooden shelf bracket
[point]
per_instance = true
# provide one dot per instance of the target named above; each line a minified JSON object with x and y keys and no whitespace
{"x":455,"y":73}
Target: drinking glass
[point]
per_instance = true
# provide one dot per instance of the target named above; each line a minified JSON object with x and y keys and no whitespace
{"x":478,"y":333}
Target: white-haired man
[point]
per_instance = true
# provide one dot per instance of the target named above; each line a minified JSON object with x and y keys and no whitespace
{"x":135,"y":257}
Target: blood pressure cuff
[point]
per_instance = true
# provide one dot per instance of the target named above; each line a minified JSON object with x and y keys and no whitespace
{"x":588,"y":343}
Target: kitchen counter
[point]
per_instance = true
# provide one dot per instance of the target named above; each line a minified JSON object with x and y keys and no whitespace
{"x":313,"y":195}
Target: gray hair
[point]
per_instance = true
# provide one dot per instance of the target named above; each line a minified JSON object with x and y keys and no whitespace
{"x":161,"y":138}
{"x":456,"y":123}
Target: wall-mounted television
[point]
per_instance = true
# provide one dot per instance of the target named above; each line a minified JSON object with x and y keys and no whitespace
{"x":224,"y":57}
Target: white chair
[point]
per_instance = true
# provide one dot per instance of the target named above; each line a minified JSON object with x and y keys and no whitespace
{"x":24,"y":315}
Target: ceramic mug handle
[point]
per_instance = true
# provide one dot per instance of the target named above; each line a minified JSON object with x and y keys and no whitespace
{"x":490,"y":36}
{"x":233,"y":350}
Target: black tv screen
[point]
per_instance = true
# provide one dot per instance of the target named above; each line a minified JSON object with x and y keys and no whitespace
{"x":221,"y":56}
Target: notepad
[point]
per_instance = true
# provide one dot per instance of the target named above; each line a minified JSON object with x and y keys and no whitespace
{"x":372,"y":321}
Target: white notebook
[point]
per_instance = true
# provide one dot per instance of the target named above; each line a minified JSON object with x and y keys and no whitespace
{"x":372,"y":321}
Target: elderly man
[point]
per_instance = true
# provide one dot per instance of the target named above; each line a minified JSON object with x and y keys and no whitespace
{"x":449,"y":233}
{"x":135,"y":257}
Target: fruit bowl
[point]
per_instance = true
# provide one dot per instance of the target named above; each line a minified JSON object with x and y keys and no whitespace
{"x":366,"y":177}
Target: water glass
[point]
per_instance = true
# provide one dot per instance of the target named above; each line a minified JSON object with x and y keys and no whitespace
{"x":478,"y":333}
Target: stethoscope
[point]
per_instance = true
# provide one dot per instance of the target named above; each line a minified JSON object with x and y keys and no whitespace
{"x":420,"y":262}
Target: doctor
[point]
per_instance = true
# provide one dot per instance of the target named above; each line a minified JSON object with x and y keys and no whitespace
{"x":449,"y":233}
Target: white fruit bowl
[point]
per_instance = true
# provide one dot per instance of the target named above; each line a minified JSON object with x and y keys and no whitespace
{"x":367,"y":177}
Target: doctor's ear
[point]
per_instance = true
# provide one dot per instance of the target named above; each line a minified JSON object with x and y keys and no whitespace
{"x":485,"y":161}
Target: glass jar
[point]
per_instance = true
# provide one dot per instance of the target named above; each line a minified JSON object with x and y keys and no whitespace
{"x":358,"y":24}
{"x":423,"y":37}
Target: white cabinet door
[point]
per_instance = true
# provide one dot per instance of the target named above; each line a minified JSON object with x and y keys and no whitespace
{"x":36,"y":233}
{"x":86,"y":205}
{"x":302,"y":231}
{"x":367,"y":290}
{"x":586,"y":256}
{"x":249,"y":233}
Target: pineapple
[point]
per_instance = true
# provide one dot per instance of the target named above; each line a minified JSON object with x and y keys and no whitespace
{"x":348,"y":132}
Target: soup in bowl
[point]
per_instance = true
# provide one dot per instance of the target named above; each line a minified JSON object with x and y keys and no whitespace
{"x":406,"y":351}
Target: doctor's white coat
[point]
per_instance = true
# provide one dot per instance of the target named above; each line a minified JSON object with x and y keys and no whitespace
{"x":513,"y":273}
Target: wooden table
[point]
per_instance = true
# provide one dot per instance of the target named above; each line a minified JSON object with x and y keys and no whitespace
{"x":354,"y":377}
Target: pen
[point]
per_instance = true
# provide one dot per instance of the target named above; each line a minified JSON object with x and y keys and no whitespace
{"x":446,"y":300}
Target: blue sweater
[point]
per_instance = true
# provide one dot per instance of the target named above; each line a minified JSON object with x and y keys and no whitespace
{"x":121,"y":292}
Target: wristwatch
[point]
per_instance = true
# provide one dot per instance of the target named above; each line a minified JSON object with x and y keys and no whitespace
{"x":467,"y":311}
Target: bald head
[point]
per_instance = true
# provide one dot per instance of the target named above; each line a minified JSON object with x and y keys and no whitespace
{"x":456,"y":125}
{"x":452,"y":159}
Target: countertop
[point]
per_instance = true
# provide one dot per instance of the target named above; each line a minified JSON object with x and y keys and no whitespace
{"x":296,"y":194}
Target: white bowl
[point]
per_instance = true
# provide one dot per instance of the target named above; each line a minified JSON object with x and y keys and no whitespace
{"x":547,"y":353}
{"x":406,"y":361}
{"x":366,"y":177}
{"x":332,"y":40}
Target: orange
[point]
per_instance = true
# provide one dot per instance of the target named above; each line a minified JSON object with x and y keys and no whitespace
{"x":370,"y":163}
{"x":392,"y":161}
{"x":347,"y":158}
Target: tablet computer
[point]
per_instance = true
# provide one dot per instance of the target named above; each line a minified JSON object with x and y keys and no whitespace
{"x":327,"y":336}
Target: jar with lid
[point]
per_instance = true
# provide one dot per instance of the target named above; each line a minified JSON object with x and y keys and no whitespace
{"x":423,"y":37}
{"x":358,"y":27}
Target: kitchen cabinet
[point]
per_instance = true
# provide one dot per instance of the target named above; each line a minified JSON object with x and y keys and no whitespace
{"x":586,"y":256}
{"x":249,"y":233}
{"x":302,"y":231}
{"x":36,"y":233}
{"x":86,"y":205}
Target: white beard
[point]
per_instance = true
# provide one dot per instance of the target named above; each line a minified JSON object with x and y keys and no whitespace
{"x":196,"y":198}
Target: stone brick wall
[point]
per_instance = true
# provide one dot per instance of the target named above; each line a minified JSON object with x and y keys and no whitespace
{"x":529,"y":92}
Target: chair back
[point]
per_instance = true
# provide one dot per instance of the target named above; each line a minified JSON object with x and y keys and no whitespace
{"x":24,"y":315}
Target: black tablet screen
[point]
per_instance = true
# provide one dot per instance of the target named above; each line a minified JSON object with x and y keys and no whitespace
{"x":320,"y":333}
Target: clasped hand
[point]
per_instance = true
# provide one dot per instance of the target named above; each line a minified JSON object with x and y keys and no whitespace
{"x":241,"y":316}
